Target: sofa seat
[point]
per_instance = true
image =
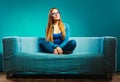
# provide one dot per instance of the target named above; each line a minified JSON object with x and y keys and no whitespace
{"x":59,"y":64}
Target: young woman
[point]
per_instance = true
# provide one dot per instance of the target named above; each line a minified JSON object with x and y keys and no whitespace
{"x":57,"y":35}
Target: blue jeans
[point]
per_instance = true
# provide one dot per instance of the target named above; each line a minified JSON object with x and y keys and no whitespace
{"x":47,"y":48}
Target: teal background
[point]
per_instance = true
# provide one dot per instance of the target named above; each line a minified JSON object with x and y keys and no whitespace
{"x":86,"y":18}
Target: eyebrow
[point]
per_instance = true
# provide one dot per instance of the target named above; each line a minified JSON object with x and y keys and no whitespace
{"x":54,"y":12}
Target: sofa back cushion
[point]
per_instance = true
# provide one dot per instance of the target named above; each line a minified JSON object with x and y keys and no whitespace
{"x":30,"y":44}
{"x":88,"y":44}
{"x":84,"y":44}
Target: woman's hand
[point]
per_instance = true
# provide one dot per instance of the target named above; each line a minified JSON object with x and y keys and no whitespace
{"x":55,"y":51}
{"x":59,"y":50}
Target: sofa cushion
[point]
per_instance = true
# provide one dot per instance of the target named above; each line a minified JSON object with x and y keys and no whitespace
{"x":84,"y":44}
{"x":30,"y":44}
{"x":89,"y":44}
{"x":59,"y":64}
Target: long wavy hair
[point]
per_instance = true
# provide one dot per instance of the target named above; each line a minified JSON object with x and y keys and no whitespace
{"x":49,"y":29}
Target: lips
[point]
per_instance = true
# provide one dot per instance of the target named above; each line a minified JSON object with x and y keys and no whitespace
{"x":56,"y":17}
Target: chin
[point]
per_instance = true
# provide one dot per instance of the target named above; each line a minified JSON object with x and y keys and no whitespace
{"x":57,"y":19}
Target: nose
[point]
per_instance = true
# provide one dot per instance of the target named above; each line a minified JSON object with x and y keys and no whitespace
{"x":56,"y":14}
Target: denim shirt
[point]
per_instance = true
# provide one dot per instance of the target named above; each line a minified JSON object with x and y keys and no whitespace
{"x":67,"y":30}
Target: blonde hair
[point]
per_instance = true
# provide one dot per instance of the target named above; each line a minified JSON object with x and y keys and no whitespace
{"x":49,"y":30}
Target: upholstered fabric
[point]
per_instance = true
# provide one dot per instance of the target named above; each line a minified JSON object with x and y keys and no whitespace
{"x":54,"y":64}
{"x":92,"y":55}
{"x":89,"y":44}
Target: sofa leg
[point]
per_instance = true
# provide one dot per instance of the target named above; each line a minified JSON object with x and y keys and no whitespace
{"x":9,"y":75}
{"x":109,"y":76}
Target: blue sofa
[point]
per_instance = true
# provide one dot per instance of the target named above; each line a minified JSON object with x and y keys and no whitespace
{"x":92,"y":55}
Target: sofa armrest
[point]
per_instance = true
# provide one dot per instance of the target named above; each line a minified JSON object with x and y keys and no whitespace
{"x":11,"y":45}
{"x":110,"y":54}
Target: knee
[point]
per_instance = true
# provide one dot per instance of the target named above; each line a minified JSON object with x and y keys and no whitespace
{"x":42,"y":43}
{"x":73,"y":42}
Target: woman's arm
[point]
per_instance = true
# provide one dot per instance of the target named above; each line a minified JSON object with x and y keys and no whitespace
{"x":53,"y":45}
{"x":67,"y":30}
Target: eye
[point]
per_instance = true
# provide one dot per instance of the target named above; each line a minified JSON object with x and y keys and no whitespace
{"x":53,"y":13}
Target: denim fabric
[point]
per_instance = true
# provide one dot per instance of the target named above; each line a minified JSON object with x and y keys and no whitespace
{"x":47,"y":47}
{"x":70,"y":46}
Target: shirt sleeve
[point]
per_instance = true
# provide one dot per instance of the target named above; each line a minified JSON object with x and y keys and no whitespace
{"x":67,"y":30}
{"x":53,"y":45}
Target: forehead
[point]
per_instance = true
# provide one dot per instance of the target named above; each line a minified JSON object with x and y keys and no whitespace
{"x":54,"y":10}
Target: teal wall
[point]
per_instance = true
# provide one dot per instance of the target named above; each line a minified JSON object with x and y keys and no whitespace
{"x":85,"y":17}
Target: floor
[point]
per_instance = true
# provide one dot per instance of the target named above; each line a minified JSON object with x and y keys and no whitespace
{"x":116,"y":78}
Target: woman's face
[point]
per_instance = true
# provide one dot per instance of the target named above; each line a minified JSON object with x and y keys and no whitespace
{"x":55,"y":14}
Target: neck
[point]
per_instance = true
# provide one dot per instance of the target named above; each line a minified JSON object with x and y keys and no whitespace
{"x":56,"y":22}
